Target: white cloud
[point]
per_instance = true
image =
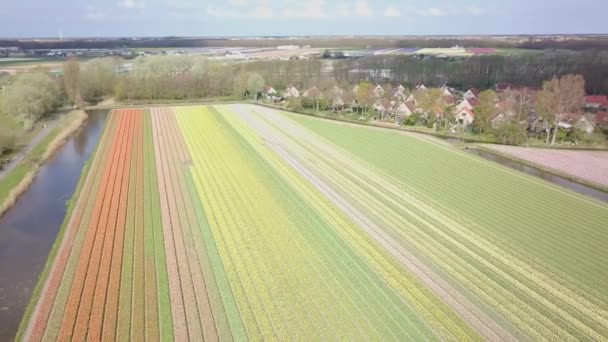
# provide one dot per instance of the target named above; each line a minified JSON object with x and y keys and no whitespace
{"x":392,"y":11}
{"x":434,"y":12}
{"x":132,"y":4}
{"x":362,"y":9}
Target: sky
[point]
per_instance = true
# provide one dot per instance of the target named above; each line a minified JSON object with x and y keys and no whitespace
{"x":115,"y":18}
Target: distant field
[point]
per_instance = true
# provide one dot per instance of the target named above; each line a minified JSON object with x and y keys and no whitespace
{"x":239,"y":222}
{"x":461,"y":52}
{"x":24,"y":60}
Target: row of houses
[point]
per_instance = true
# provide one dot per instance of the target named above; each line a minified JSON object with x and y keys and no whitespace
{"x":401,"y":103}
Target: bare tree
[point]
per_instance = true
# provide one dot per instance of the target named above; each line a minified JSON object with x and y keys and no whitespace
{"x":315,"y":94}
{"x":561,"y":96}
{"x":71,"y":81}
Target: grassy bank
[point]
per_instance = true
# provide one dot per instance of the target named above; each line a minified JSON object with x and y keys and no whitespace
{"x":20,"y":178}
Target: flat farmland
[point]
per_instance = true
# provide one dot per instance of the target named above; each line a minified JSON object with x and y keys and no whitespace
{"x":238,"y":222}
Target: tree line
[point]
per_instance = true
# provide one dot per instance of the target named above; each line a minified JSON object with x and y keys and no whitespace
{"x":479,"y":71}
{"x":575,"y":43}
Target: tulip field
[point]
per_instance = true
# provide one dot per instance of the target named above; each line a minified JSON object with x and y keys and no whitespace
{"x":241,"y":222}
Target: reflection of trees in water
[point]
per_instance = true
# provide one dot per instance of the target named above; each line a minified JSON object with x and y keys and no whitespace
{"x":95,"y":121}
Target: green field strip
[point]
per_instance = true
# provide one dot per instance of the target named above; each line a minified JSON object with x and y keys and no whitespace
{"x":421,"y":159}
{"x":549,"y":303}
{"x":125,"y":306}
{"x":332,"y":246}
{"x":562,"y":297}
{"x":154,"y":237}
{"x":396,"y":161}
{"x":496,"y":243}
{"x":422,"y":308}
{"x":177,"y":163}
{"x":100,"y":158}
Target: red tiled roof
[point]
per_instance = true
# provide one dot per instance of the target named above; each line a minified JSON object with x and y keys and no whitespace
{"x":602,"y":100}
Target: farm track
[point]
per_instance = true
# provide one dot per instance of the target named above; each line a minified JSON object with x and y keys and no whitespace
{"x":237,"y":222}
